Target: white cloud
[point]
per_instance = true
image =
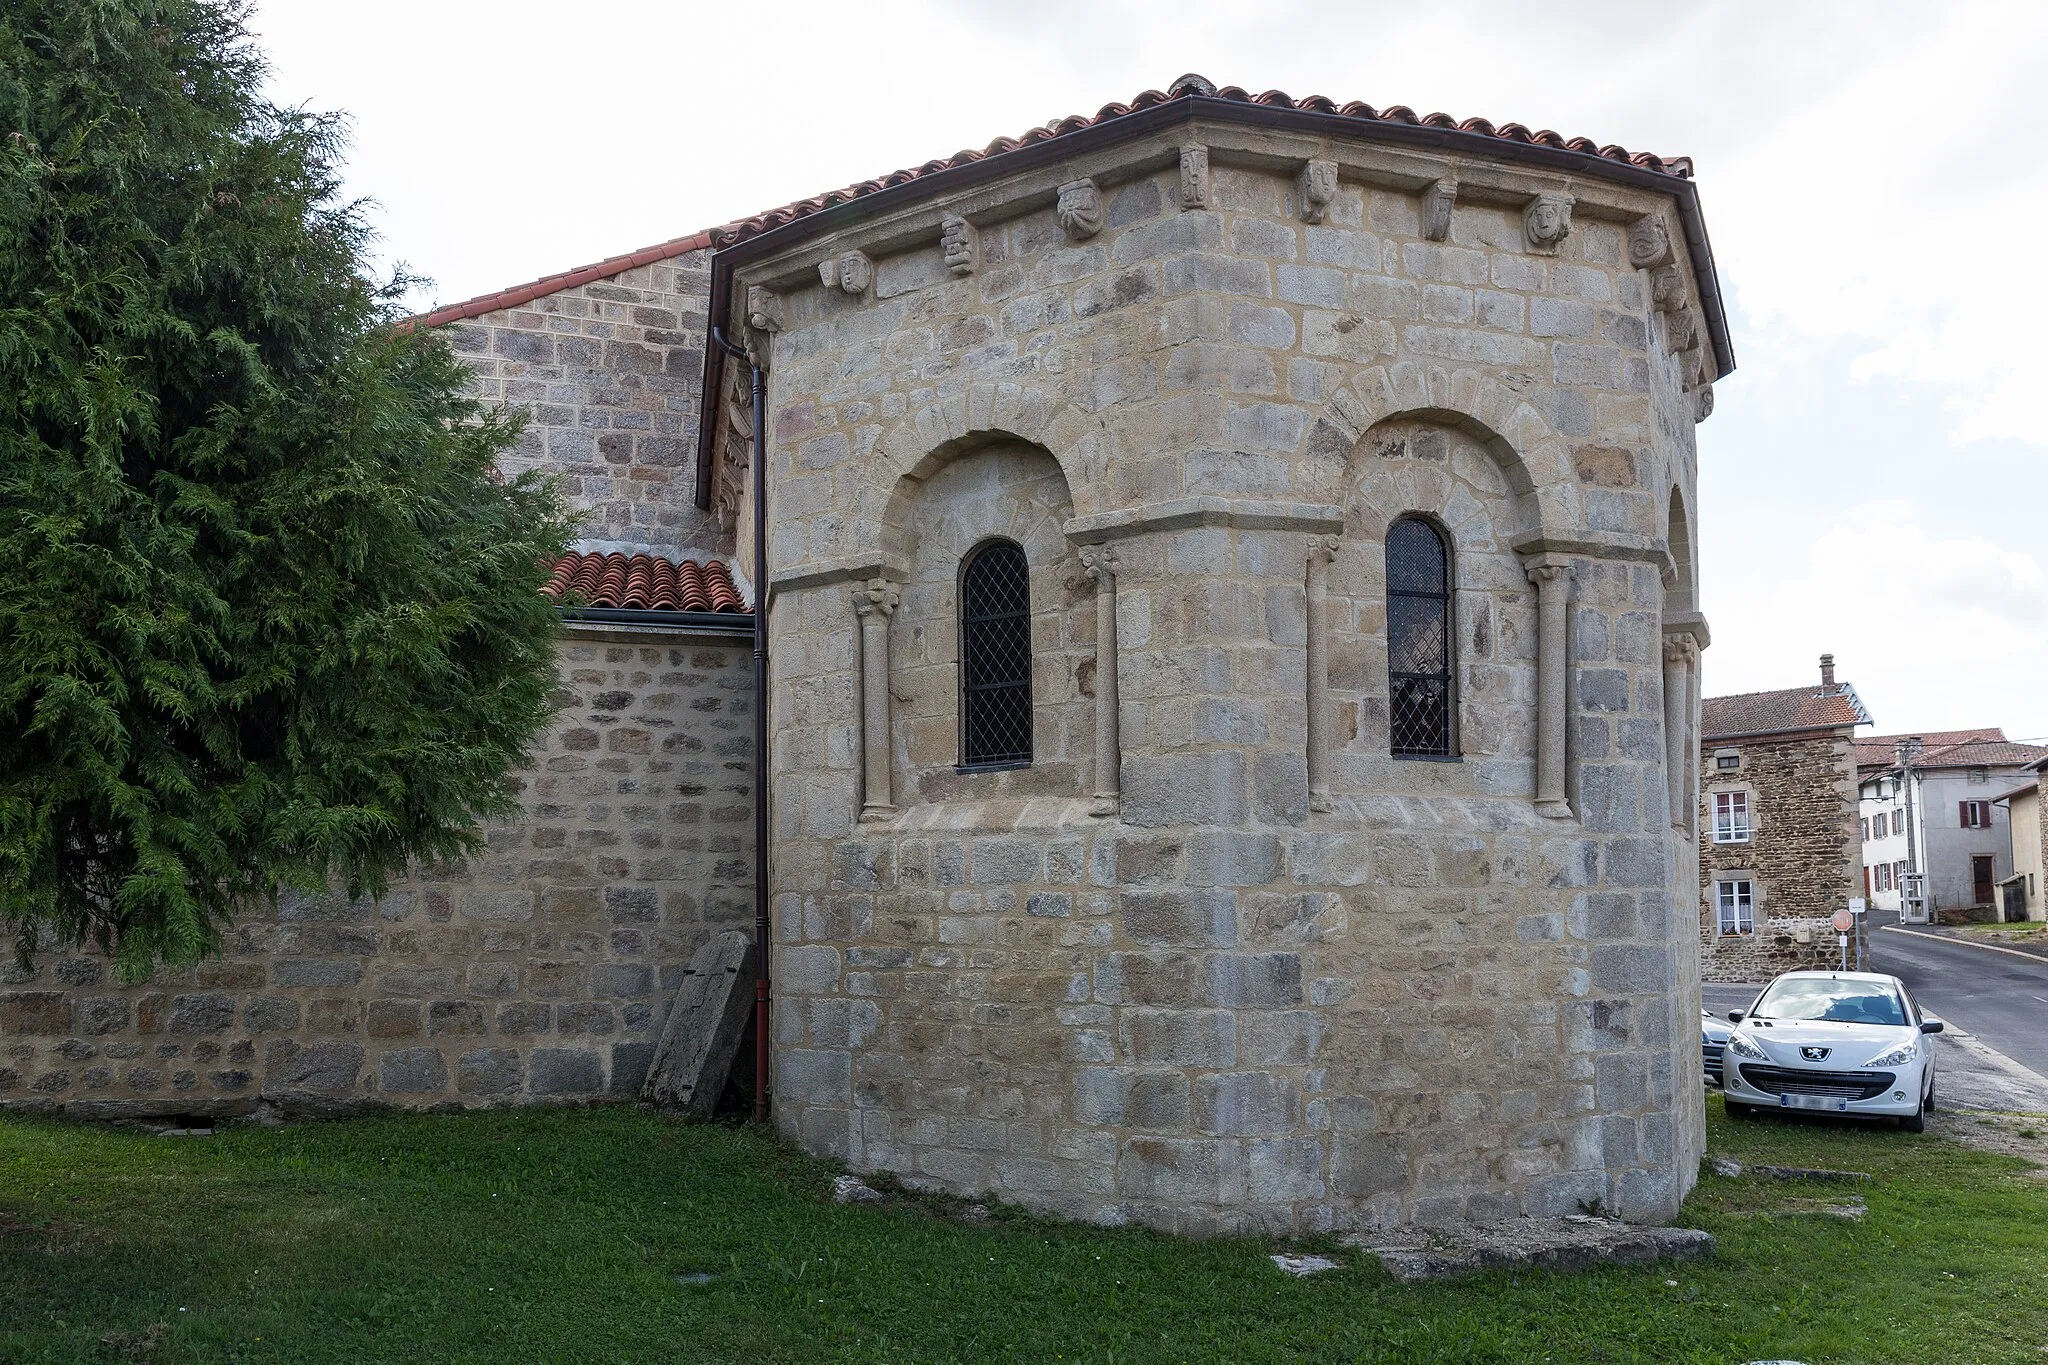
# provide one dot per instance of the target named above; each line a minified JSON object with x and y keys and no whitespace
{"x":1936,"y":631}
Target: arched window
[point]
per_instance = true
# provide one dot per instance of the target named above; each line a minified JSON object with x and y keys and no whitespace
{"x":1419,"y":641}
{"x":995,"y":657}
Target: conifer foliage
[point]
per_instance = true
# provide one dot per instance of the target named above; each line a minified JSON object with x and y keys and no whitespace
{"x":267,"y":617}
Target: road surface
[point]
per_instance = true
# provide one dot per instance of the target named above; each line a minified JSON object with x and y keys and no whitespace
{"x":1995,"y":1054}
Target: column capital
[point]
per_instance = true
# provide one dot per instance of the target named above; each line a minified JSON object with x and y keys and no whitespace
{"x":877,"y":596}
{"x":1691,"y":626}
{"x":1323,"y":549}
{"x":1101,"y":562}
{"x":1547,"y":567}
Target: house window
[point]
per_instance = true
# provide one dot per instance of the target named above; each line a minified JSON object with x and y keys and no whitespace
{"x":1419,"y":640}
{"x":1735,"y":906}
{"x":1727,"y":760}
{"x":1899,"y":875}
{"x":1731,"y":817}
{"x":1884,"y":876}
{"x":1975,"y":814}
{"x":1979,"y":776}
{"x":995,"y":657}
{"x":1866,"y":831}
{"x":1899,"y":821}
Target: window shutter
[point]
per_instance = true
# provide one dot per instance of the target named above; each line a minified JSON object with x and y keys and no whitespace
{"x":1963,"y":814}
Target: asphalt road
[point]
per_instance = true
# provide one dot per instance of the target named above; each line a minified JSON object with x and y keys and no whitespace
{"x":1995,"y":1004}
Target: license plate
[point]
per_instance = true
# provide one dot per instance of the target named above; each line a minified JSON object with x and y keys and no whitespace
{"x":1813,"y":1102}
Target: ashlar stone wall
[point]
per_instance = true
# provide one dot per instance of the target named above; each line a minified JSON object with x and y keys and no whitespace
{"x":1230,"y":1001}
{"x":538,"y":972}
{"x":1804,"y":856}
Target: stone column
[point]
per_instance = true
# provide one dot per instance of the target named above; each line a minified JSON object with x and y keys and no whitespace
{"x":1677,"y":715}
{"x":1321,"y":550}
{"x":1552,"y":576}
{"x":1102,"y":565}
{"x":874,"y":602}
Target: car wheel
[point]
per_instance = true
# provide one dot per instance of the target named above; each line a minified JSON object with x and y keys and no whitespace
{"x":1915,"y":1122}
{"x":1738,"y":1110}
{"x":1927,"y":1105}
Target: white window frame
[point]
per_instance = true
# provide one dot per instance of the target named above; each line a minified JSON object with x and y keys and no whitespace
{"x":1734,"y":906}
{"x":1728,"y":828}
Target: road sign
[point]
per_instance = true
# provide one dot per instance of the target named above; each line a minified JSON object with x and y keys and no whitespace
{"x":1844,"y":921}
{"x":1857,"y":905}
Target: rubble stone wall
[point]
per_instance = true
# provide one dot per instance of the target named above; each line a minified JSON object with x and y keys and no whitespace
{"x":1804,"y":855}
{"x":539,"y":971}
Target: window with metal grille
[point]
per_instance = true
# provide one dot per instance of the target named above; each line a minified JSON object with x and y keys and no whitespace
{"x":1731,"y":817}
{"x":1419,"y":641}
{"x":995,"y":657}
{"x":1735,"y":906}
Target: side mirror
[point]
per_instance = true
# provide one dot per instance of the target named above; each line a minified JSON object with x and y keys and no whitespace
{"x":1931,"y":1026}
{"x":1734,"y":1016}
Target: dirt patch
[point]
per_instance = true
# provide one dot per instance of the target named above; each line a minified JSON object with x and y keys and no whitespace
{"x":2020,"y":1135}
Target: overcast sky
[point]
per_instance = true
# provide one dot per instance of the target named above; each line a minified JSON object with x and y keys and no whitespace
{"x":1873,"y":481}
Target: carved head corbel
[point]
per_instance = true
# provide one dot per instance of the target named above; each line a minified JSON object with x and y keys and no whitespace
{"x":1439,"y":197}
{"x":1547,"y":221}
{"x":1080,"y":209}
{"x":1318,"y":189}
{"x":851,"y":273}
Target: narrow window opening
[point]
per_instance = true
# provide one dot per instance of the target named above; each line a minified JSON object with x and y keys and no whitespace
{"x":995,"y":657}
{"x":1419,"y":641}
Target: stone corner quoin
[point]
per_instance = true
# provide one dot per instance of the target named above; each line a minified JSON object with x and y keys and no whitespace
{"x":1215,"y":959}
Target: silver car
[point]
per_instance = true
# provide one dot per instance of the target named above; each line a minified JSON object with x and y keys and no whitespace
{"x":1835,"y":1043}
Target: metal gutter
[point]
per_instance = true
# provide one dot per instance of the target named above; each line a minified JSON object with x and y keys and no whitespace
{"x":726,"y":624}
{"x":1187,"y":108}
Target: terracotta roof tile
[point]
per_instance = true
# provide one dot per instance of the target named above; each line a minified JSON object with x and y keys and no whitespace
{"x":1985,"y":748}
{"x":1188,"y":87}
{"x":567,"y":279}
{"x":644,"y":582}
{"x":1795,"y":708}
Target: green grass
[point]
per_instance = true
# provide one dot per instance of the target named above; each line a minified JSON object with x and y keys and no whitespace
{"x":558,"y":1236}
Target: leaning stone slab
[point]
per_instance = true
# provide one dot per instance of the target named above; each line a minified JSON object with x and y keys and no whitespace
{"x":1576,"y":1242}
{"x":1820,"y":1174}
{"x":705,"y":1021}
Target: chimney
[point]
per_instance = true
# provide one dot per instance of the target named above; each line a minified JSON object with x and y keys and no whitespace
{"x":1827,"y":670}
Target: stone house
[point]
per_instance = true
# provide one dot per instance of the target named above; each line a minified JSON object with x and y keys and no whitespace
{"x":1942,"y":820}
{"x":1780,"y":847}
{"x":1232,"y":656}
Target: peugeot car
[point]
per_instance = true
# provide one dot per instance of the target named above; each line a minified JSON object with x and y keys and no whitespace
{"x":1834,"y":1042}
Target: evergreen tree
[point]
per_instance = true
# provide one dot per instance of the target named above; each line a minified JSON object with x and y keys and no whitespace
{"x":267,"y":616}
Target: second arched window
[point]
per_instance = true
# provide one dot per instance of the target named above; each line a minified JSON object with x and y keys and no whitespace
{"x":1420,"y":641}
{"x":995,"y":657}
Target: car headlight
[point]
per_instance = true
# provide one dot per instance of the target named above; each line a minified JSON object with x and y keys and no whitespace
{"x":1742,"y":1045}
{"x":1898,"y":1056}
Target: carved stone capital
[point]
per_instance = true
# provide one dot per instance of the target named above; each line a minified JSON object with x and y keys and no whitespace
{"x":1323,"y":549}
{"x":1080,"y":209}
{"x":1318,"y":189}
{"x":1547,"y":568}
{"x":960,"y":243}
{"x":851,"y":273}
{"x":1649,"y":242}
{"x":1439,"y":197}
{"x":1194,"y":177}
{"x":1547,"y":221}
{"x":1101,"y":562}
{"x":1678,"y":649}
{"x":876,"y":597}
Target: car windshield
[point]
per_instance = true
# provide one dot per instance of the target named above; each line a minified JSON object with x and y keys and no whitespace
{"x":1835,"y":1002}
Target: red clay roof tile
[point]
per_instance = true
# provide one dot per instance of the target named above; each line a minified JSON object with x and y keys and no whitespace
{"x":1984,"y":748}
{"x":1794,"y":708}
{"x":644,"y":582}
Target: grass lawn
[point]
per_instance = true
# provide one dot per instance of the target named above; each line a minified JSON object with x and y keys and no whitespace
{"x":557,"y":1235}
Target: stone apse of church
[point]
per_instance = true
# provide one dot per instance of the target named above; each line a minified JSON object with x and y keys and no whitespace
{"x":1214,"y":959}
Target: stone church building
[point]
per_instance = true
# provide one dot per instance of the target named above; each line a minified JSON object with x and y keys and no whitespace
{"x":1233,"y":688}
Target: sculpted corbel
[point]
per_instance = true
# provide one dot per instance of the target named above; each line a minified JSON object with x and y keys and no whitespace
{"x":960,"y":243}
{"x":851,"y":273}
{"x":764,"y":309}
{"x":1702,"y":403}
{"x":1547,"y":221}
{"x":1439,"y":197}
{"x":1649,"y":242}
{"x":1080,"y":209}
{"x":1194,"y":177}
{"x":1318,"y":190}
{"x":1669,"y":289}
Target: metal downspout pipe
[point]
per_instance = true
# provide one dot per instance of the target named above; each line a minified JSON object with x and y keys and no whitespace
{"x":761,"y":765}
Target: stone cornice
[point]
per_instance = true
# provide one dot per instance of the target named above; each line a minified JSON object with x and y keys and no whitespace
{"x":1241,"y":514}
{"x":1690,"y":625}
{"x":1598,"y":545}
